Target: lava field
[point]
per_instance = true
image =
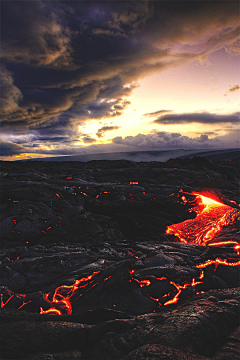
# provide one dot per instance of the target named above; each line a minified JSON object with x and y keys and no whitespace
{"x":109,"y":260}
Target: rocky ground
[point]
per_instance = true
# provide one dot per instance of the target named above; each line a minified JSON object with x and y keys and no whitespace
{"x":88,"y":271}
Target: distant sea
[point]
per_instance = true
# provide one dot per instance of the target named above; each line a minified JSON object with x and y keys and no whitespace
{"x":214,"y":155}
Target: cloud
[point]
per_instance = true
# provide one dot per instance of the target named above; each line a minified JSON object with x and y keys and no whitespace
{"x":88,"y":140}
{"x":165,"y":140}
{"x":234,"y":88}
{"x":105,"y":107}
{"x":202,"y":118}
{"x":130,"y":17}
{"x":142,"y":142}
{"x":58,"y":131}
{"x":162,"y":140}
{"x":80,"y":61}
{"x":206,"y":133}
{"x":107,"y":32}
{"x":101,"y":132}
{"x":41,"y":38}
{"x":10,"y":94}
{"x":66,"y":57}
{"x":233,"y":48}
{"x":8,"y":148}
{"x":155,"y":113}
{"x":51,"y":139}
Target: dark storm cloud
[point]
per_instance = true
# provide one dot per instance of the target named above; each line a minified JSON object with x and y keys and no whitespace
{"x":11,"y":95}
{"x":41,"y":38}
{"x":88,"y":140}
{"x":57,"y":131}
{"x":105,"y":108}
{"x":202,"y":118}
{"x":102,"y":130}
{"x":8,"y":148}
{"x":33,"y":146}
{"x":81,"y":59}
{"x":58,"y":128}
{"x":51,"y":139}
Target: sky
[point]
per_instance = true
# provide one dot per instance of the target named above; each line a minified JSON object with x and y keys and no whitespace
{"x":89,"y":77}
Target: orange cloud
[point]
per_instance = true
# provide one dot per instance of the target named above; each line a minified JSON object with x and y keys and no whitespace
{"x":234,"y":88}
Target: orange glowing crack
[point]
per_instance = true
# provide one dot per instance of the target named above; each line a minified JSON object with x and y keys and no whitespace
{"x":24,"y":303}
{"x":106,"y":278}
{"x":217,"y":262}
{"x":184,"y":200}
{"x":226,"y":242}
{"x":211,"y":217}
{"x":143,"y":282}
{"x":82,"y":193}
{"x":201,"y":274}
{"x":2,"y":303}
{"x":51,"y":310}
{"x":155,"y":300}
{"x":63,"y":294}
{"x":234,"y":202}
{"x":237,"y":247}
{"x":179,"y":290}
{"x":194,"y":283}
{"x":161,"y":278}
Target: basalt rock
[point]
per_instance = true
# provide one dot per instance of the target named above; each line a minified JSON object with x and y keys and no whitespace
{"x":89,"y":272}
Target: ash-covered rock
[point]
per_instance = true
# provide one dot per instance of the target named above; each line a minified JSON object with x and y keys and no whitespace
{"x":85,"y":245}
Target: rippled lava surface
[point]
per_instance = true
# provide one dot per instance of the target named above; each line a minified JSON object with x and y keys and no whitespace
{"x":120,"y":260}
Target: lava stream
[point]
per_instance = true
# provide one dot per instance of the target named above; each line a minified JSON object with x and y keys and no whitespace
{"x":211,"y":217}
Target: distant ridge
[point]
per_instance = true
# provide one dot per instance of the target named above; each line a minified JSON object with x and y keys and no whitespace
{"x":137,"y":156}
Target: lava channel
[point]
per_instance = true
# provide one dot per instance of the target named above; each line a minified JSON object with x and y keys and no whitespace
{"x":211,"y":217}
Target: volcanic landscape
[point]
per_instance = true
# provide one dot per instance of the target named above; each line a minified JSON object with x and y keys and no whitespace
{"x":109,"y":260}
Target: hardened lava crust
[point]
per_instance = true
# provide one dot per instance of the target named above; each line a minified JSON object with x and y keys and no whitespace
{"x":120,"y":260}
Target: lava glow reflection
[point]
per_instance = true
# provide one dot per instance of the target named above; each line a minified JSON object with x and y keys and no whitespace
{"x":211,"y":217}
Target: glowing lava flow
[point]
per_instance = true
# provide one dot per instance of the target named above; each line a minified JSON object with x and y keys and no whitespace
{"x":211,"y":217}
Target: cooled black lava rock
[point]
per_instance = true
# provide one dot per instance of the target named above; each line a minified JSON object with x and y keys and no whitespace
{"x":85,"y":244}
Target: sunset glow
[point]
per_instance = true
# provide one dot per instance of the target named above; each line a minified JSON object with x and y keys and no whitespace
{"x":169,"y":81}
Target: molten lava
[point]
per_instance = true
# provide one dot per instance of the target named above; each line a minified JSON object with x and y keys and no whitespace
{"x":211,"y":217}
